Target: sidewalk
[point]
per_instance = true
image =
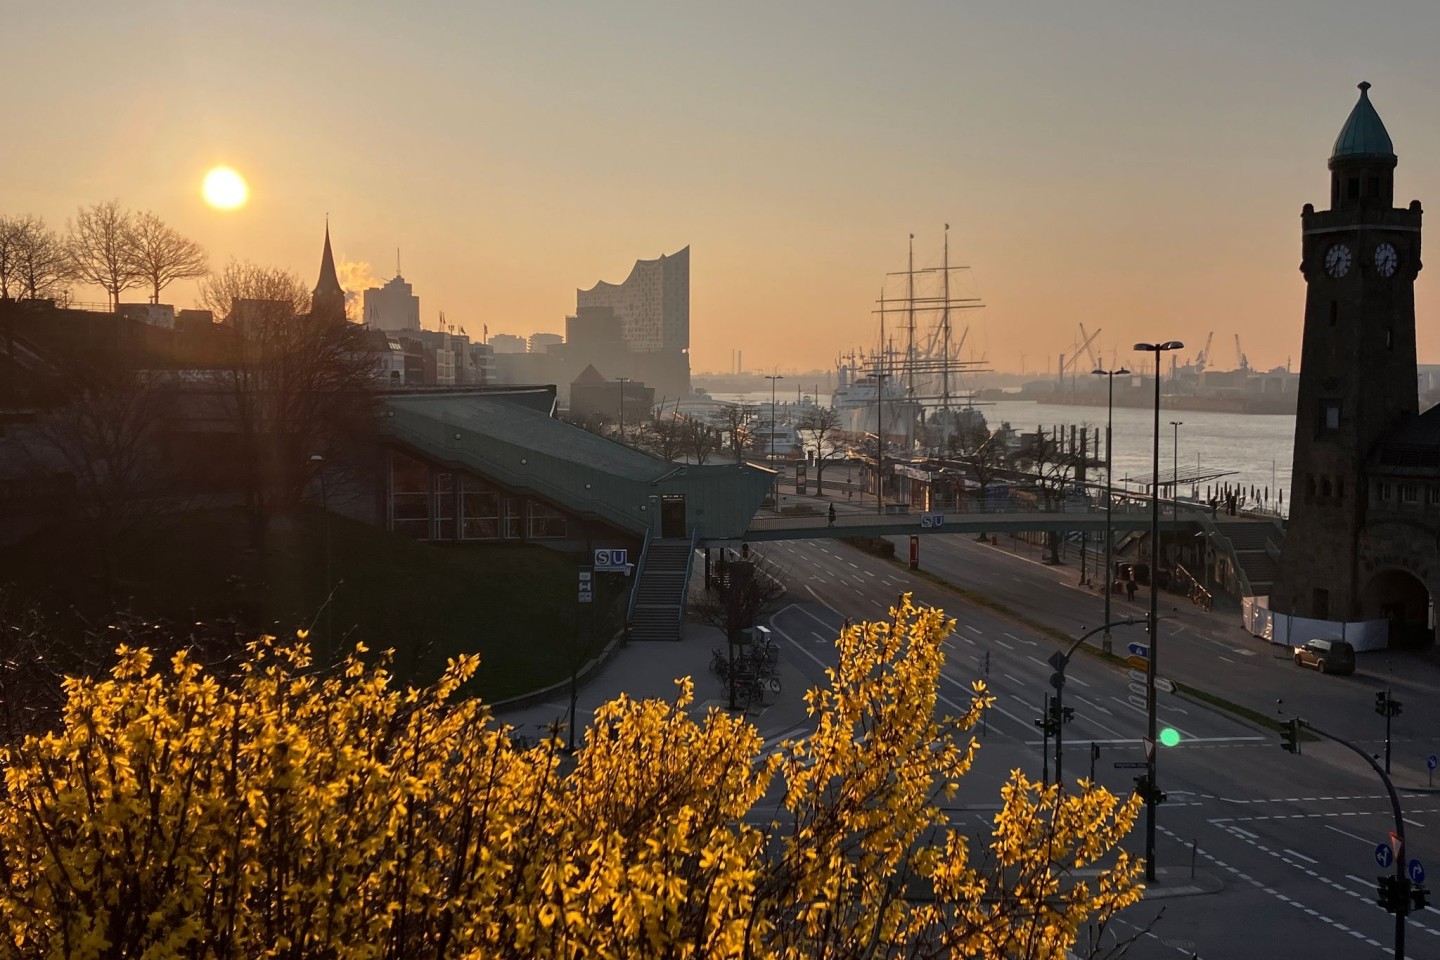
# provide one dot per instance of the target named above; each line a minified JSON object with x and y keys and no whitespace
{"x":649,"y":670}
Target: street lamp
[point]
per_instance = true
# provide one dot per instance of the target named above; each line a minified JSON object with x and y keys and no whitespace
{"x":880,"y":379}
{"x":772,"y":377}
{"x":623,"y":381}
{"x":1175,"y":479}
{"x":1110,"y":376}
{"x":318,"y":460}
{"x":1151,"y":793}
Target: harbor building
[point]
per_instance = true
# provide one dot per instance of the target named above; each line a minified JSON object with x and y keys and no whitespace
{"x":652,"y":306}
{"x":1362,"y":546}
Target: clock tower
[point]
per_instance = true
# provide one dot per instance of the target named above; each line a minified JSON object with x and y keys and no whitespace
{"x":1357,"y":365}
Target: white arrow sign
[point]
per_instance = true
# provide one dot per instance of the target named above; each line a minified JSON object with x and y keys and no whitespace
{"x":1164,"y":685}
{"x":1137,"y":675}
{"x":1138,"y":688}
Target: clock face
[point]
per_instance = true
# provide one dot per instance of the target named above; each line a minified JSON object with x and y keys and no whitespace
{"x":1386,"y":259}
{"x":1337,"y":260}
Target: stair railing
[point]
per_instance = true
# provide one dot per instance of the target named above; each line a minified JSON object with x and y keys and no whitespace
{"x":635,"y":587}
{"x":685,"y":583}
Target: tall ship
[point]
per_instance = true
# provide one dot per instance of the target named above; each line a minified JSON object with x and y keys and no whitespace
{"x":911,"y":385}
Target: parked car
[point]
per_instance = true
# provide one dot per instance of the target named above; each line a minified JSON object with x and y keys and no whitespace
{"x":1327,"y":656}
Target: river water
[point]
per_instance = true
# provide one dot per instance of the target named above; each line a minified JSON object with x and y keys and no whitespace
{"x":1251,"y":450}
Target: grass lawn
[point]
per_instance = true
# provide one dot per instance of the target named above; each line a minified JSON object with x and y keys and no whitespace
{"x":515,"y":605}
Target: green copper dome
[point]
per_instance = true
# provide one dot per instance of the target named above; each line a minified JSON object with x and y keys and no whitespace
{"x":1363,"y":134}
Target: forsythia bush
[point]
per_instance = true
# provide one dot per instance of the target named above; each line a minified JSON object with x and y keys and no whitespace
{"x":285,"y":813}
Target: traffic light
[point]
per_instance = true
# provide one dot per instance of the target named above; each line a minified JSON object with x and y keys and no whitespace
{"x":1386,"y":705}
{"x":1148,"y":792}
{"x":1059,"y":715}
{"x":1385,"y":887}
{"x":1290,"y":736}
{"x":1419,"y":897}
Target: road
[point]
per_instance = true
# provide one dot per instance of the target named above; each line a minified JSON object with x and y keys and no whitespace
{"x":1290,"y":839}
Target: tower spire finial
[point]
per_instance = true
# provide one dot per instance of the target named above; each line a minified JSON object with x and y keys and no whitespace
{"x":1363,"y":85}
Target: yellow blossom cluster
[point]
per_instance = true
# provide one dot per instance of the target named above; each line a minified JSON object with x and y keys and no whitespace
{"x":290,"y":812}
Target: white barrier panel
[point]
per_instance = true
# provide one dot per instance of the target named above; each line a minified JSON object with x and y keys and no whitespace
{"x":1290,"y":631}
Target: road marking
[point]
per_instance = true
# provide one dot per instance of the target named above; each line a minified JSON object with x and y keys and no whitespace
{"x":1347,"y":833}
{"x":1243,"y":652}
{"x":869,"y":573}
{"x":1020,"y":639}
{"x":822,"y":603}
{"x":1014,"y":680}
{"x":1003,"y":643}
{"x":1413,"y":823}
{"x":974,"y":628}
{"x":1226,"y":659}
{"x":1037,"y":660}
{"x":1300,"y":856}
{"x":1095,"y":705}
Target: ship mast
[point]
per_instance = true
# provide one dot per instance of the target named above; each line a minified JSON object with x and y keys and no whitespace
{"x":910,"y":322}
{"x":945,"y":333}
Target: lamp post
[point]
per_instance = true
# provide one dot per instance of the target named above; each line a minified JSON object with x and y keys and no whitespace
{"x":1151,"y":794}
{"x":772,"y":377}
{"x":1110,"y":376}
{"x":623,"y":381}
{"x":880,"y":379}
{"x":319,"y":462}
{"x":1175,"y":467}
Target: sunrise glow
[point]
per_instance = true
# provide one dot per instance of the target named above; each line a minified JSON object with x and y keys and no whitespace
{"x":224,"y":189}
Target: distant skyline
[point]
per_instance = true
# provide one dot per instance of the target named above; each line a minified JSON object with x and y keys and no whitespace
{"x":1135,"y":167}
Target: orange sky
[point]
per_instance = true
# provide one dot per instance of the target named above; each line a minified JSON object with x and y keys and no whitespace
{"x":1135,"y":167}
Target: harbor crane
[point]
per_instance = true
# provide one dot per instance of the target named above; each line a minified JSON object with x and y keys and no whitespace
{"x":1067,"y":365}
{"x":1094,"y":360}
{"x":1203,"y":357}
{"x":1242,"y":362}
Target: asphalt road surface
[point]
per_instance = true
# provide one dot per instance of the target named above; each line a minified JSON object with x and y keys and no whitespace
{"x":1288,"y":840}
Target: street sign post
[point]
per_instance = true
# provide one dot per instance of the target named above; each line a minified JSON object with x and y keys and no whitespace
{"x":1131,"y":765}
{"x":1415,"y":871}
{"x":1140,"y":649}
{"x":1430,"y":763}
{"x":1384,"y":859}
{"x":1149,"y":749}
{"x":1137,"y":675}
{"x":1139,"y":663}
{"x":1397,"y":845}
{"x":1164,"y":685}
{"x":932,"y":520}
{"x":1138,"y":689}
{"x":587,"y":586}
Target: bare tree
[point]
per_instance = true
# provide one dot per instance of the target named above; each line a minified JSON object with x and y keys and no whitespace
{"x":160,"y":255}
{"x":741,"y":590}
{"x":9,"y":254}
{"x":735,"y":422}
{"x":107,"y":437}
{"x":664,"y":436}
{"x":700,"y":439}
{"x":1051,"y":467}
{"x":298,"y":384}
{"x":42,"y":263}
{"x":100,"y":245}
{"x":823,"y":423}
{"x":243,"y":280}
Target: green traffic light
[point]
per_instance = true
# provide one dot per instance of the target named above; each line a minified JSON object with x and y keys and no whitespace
{"x":1170,"y":737}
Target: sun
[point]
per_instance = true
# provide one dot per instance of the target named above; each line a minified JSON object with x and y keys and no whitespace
{"x":225,"y":189}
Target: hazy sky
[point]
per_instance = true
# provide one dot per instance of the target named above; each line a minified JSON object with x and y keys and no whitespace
{"x":1137,"y":167}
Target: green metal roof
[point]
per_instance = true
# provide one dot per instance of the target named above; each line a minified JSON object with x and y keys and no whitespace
{"x":1363,"y":134}
{"x":525,"y":449}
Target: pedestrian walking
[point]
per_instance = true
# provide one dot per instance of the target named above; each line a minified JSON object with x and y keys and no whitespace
{"x":832,"y":514}
{"x":1130,"y":590}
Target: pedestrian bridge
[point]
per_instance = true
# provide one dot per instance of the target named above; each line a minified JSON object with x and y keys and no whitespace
{"x":896,"y":522}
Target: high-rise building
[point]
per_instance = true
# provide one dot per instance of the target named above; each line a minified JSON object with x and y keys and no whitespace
{"x":653,"y":303}
{"x":540,"y":341}
{"x":653,"y":309}
{"x":507,"y":343}
{"x":393,"y":306}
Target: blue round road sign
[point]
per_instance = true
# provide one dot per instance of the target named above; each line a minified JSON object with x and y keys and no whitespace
{"x":1415,"y":872}
{"x":1432,"y":761}
{"x":1383,"y":855}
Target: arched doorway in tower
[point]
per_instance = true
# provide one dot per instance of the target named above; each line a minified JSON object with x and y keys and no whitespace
{"x":1402,"y":599}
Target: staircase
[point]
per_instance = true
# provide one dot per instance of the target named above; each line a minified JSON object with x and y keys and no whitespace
{"x":1253,"y":543}
{"x":660,"y":593}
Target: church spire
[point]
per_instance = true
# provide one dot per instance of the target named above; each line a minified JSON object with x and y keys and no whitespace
{"x":329,"y":297}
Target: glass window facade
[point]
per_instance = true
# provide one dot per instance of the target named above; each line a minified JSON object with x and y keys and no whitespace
{"x":428,"y":503}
